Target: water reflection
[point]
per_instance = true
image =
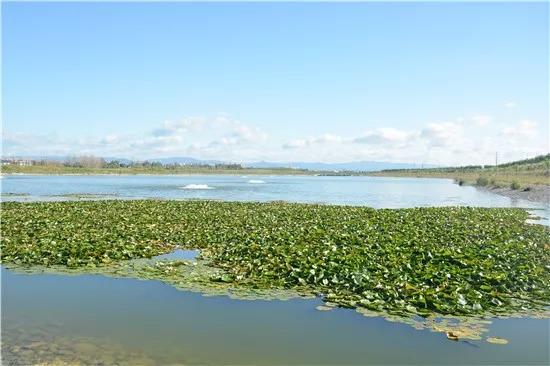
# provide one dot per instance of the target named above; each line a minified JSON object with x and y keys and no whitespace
{"x":151,"y":321}
{"x":179,"y":254}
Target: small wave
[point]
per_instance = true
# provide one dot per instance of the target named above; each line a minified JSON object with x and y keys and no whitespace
{"x":197,"y":186}
{"x":256,"y":181}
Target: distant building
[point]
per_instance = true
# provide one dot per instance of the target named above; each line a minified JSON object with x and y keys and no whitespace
{"x":20,"y":162}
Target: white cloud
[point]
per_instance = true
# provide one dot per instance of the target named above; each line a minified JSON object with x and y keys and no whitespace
{"x":295,"y":144}
{"x":442,"y":134}
{"x":460,"y":141}
{"x":169,"y":128}
{"x":246,"y":133}
{"x":327,"y":138}
{"x":482,"y":120}
{"x":524,"y":129}
{"x":222,"y":137}
{"x":385,"y":135}
{"x":510,"y":104}
{"x":109,"y":140}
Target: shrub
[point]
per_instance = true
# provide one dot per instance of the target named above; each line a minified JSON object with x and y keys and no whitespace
{"x":482,"y":181}
{"x":515,"y":185}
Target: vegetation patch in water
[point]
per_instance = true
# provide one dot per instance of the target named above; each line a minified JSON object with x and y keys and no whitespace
{"x":85,"y":195}
{"x":403,"y":262}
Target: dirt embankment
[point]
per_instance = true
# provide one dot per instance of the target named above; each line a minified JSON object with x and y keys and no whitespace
{"x":539,"y":193}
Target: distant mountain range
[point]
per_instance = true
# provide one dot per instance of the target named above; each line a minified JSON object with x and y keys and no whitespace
{"x":186,"y":160}
{"x":350,"y":166}
{"x":60,"y":158}
{"x":365,"y":166}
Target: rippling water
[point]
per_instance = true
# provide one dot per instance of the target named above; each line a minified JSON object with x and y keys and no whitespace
{"x":370,"y":191}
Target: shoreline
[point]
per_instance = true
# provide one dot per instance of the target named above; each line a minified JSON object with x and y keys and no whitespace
{"x":538,"y":193}
{"x":153,"y":174}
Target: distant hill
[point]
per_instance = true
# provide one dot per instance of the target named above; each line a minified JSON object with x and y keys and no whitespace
{"x":364,"y":166}
{"x":515,"y":174}
{"x":186,"y":160}
{"x":537,"y":165}
{"x":356,"y":166}
{"x":60,"y":158}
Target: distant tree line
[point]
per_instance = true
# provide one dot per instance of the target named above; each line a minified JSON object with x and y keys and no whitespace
{"x":90,"y":161}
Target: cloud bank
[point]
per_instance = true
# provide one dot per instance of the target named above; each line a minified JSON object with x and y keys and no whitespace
{"x":472,"y":140}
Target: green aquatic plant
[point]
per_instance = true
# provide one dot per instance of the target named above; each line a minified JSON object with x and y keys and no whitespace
{"x":497,"y":340}
{"x":418,"y":261}
{"x":85,"y":195}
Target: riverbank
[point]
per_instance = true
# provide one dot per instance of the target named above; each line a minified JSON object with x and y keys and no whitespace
{"x":538,"y":193}
{"x":527,"y":179}
{"x":137,"y":170}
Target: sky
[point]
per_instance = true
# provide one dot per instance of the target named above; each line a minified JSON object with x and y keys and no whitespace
{"x":440,"y":83}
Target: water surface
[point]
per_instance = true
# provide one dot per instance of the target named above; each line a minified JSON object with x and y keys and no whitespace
{"x":172,"y":326}
{"x":148,"y":322}
{"x":371,"y":191}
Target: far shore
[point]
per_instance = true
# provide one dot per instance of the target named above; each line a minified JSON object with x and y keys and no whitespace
{"x":40,"y":170}
{"x":157,"y":174}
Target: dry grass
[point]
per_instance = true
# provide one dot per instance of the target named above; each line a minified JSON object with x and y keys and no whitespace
{"x":521,"y":174}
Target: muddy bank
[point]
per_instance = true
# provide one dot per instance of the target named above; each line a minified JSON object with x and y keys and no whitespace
{"x":536,"y":193}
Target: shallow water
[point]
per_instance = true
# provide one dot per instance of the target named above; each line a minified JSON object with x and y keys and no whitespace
{"x":148,"y":322}
{"x":170,"y":326}
{"x":179,"y":254}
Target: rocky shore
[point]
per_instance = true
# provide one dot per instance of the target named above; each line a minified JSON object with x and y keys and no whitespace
{"x":535,"y":193}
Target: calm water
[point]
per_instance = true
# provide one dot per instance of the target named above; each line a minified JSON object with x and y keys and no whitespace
{"x":148,"y":322}
{"x":370,"y":191}
{"x":176,"y":326}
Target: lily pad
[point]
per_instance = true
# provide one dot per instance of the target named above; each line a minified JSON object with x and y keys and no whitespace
{"x":323,"y":308}
{"x":497,"y":340}
{"x":425,"y":262}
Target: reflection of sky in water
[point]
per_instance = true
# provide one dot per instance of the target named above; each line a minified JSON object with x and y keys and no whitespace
{"x":176,"y":326}
{"x":179,"y":254}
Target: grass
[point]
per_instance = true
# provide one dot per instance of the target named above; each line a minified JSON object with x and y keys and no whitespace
{"x":523,"y":173}
{"x":156,"y":170}
{"x":402,"y":261}
{"x":483,"y":181}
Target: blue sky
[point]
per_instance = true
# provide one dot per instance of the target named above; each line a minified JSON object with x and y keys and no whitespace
{"x":442,"y":83}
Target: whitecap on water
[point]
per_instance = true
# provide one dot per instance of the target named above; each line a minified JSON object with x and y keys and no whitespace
{"x":256,"y":181}
{"x":197,"y":186}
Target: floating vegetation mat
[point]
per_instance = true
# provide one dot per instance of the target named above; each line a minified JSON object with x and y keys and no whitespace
{"x":85,"y":195}
{"x":418,"y":265}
